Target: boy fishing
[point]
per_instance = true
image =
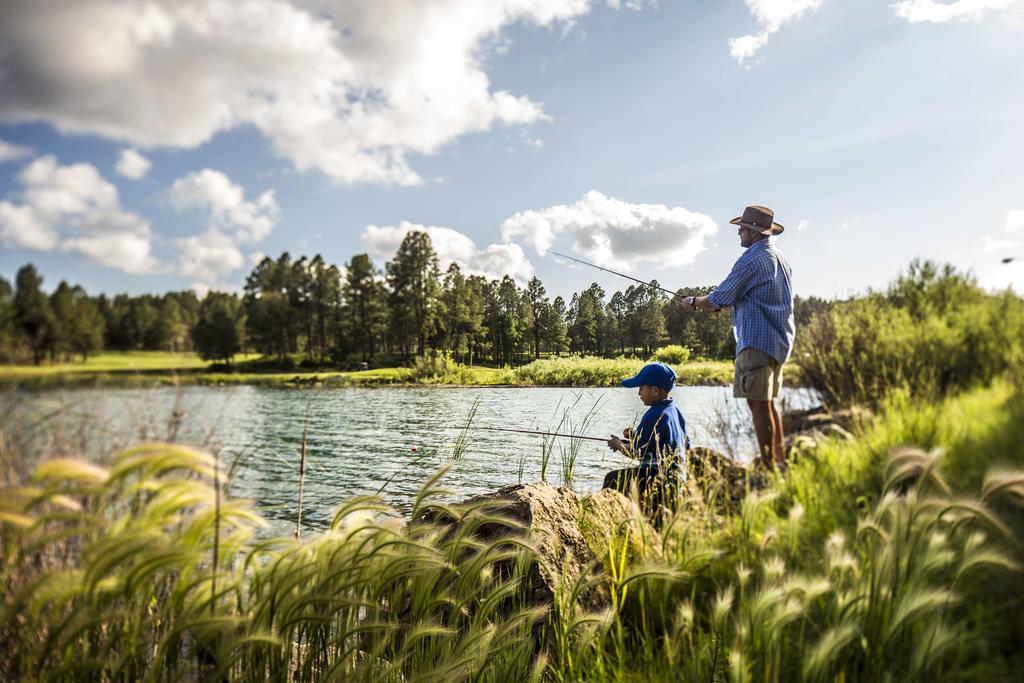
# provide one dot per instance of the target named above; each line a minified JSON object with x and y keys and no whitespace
{"x":659,"y":441}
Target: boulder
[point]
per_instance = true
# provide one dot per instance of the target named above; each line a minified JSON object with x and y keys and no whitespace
{"x":607,"y":519}
{"x":547,"y":516}
{"x":716,"y":475}
{"x":818,"y":418}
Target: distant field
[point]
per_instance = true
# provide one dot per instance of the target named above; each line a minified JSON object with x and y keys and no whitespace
{"x":117,"y":361}
{"x":165,"y":367}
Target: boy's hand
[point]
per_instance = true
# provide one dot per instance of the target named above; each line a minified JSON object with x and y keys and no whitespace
{"x":628,"y":433}
{"x":615,"y":443}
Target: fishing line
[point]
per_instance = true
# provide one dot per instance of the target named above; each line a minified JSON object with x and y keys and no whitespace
{"x":614,"y":272}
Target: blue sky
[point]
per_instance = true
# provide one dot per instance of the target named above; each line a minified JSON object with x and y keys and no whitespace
{"x":170,"y":145}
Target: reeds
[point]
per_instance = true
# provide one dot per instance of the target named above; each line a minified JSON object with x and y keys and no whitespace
{"x":569,"y":450}
{"x":462,"y":439}
{"x":167,"y":581}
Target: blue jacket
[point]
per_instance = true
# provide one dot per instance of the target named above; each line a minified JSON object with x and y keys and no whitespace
{"x":661,"y":435}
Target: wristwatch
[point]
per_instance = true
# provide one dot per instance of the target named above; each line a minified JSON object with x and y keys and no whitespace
{"x":693,"y":302}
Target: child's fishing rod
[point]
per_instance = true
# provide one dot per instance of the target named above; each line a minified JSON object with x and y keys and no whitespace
{"x":539,"y":433}
{"x":613,"y":272}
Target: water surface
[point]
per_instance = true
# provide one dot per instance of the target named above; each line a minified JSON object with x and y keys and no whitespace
{"x":360,"y":440}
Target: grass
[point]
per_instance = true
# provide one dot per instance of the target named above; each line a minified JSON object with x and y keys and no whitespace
{"x":154,"y":367}
{"x":116,"y":362}
{"x":589,"y":371}
{"x":891,"y":557}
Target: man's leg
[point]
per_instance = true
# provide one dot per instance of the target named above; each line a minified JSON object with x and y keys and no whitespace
{"x":764,"y":428}
{"x":778,"y":441}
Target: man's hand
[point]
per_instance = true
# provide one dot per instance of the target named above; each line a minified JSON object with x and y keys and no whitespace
{"x":702,"y":303}
{"x":615,"y":443}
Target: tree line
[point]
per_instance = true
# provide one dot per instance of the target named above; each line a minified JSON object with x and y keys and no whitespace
{"x":319,"y":314}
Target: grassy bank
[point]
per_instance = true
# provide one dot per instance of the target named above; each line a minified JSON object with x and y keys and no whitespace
{"x":891,"y":557}
{"x":150,"y":367}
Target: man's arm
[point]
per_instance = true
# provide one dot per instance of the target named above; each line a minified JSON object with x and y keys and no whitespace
{"x":733,"y":287}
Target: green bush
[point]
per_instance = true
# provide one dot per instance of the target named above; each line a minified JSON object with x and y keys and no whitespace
{"x":933,"y":332}
{"x":577,"y":371}
{"x":673,"y":354}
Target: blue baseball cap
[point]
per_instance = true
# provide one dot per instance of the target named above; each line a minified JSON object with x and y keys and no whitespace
{"x":653,"y":375}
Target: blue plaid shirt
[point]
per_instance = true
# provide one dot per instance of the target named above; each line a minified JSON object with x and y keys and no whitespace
{"x":761,"y":296}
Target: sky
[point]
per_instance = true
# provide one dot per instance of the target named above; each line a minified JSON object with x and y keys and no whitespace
{"x":171,"y":144}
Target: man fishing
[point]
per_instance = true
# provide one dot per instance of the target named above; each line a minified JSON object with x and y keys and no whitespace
{"x":759,"y":291}
{"x":659,"y":441}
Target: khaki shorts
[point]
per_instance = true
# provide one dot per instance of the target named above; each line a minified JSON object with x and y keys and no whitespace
{"x":758,"y":376}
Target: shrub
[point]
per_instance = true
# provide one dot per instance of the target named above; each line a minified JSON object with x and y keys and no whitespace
{"x":673,"y":354}
{"x":933,"y":332}
{"x":577,"y":371}
{"x":436,"y":367}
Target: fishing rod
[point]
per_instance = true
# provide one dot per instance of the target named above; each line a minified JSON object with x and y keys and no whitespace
{"x":613,"y":272}
{"x":539,"y":433}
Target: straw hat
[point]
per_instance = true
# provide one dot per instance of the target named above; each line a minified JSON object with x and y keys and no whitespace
{"x":759,"y":219}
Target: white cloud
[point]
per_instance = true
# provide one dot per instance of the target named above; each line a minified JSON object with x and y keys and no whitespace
{"x":803,"y":225}
{"x":495,"y":261}
{"x":347,"y":87}
{"x":12,"y":152}
{"x":771,"y":15}
{"x":20,"y":228}
{"x":940,"y":12}
{"x":610,"y":231}
{"x":745,"y":47}
{"x":209,"y":258}
{"x":1014,"y":221}
{"x":75,"y":209}
{"x":631,"y":4}
{"x":212,"y":191}
{"x":132,"y":165}
{"x":998,"y":245}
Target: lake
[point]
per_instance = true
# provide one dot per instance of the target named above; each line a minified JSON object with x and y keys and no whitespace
{"x":362,"y":439}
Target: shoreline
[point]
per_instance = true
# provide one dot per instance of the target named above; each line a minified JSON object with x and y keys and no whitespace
{"x":296,"y":381}
{"x":140,"y":368}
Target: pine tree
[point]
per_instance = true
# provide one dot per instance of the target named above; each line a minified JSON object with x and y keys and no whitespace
{"x":556,"y":334}
{"x":88,"y":328}
{"x":220,"y":332}
{"x":62,"y":303}
{"x":269,"y":317}
{"x":8,"y":336}
{"x":365,"y":305}
{"x":33,"y":317}
{"x":537,"y":297}
{"x":413,"y":277}
{"x":464,"y":311}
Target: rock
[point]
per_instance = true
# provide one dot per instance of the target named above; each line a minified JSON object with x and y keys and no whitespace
{"x":604,"y":521}
{"x":818,"y":418}
{"x":713,"y":473}
{"x":547,"y":516}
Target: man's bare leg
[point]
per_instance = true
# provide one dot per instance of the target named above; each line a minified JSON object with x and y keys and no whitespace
{"x":778,"y":441}
{"x":764,"y":427}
